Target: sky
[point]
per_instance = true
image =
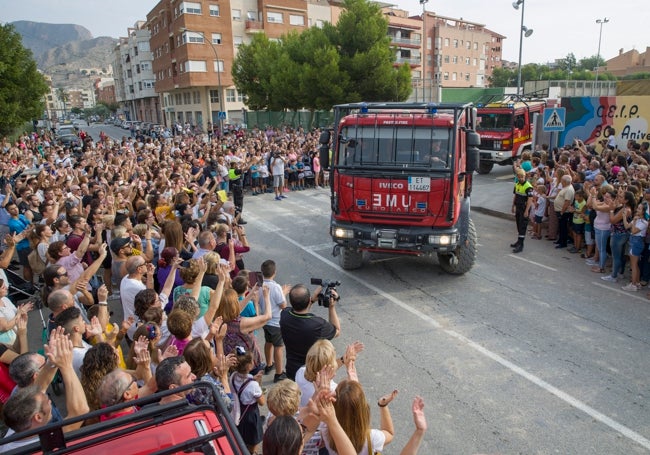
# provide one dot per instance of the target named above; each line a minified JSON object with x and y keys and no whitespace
{"x":560,"y":26}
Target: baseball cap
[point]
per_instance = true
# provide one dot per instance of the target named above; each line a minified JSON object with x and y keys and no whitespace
{"x":119,"y":243}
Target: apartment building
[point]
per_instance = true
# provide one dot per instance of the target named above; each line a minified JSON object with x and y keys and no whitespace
{"x":627,"y":63}
{"x":134,"y":77}
{"x":442,"y":51}
{"x":194,"y":45}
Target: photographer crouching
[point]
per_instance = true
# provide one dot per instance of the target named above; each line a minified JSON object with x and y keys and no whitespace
{"x":301,"y":329}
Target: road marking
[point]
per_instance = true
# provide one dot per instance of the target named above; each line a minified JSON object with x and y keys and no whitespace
{"x":320,"y":247}
{"x":631,"y":295}
{"x":572,"y":401}
{"x":533,"y":262}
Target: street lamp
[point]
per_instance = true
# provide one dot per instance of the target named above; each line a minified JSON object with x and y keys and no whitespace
{"x":524,"y":31}
{"x":424,"y":46}
{"x":216,"y":56}
{"x":600,"y":36}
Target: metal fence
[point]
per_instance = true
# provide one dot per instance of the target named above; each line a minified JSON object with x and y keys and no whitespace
{"x":295,"y":119}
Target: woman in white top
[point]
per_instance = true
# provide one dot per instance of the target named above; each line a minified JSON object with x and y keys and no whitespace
{"x":9,"y":315}
{"x":353,"y":413}
{"x":638,"y":228}
{"x":601,"y":224}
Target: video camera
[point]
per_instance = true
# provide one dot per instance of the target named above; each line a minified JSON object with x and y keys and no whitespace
{"x":325,"y":294}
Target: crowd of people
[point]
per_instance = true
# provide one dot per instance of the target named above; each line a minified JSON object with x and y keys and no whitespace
{"x":591,"y":200}
{"x":157,"y":227}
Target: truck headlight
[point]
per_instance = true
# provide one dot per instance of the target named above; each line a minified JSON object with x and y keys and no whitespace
{"x":443,"y":240}
{"x":342,"y":233}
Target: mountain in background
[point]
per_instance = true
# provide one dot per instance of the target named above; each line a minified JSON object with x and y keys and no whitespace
{"x":66,"y":51}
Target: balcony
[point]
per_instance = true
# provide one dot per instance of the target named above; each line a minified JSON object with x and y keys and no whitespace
{"x":254,"y":26}
{"x":406,"y":42}
{"x":413,"y":61}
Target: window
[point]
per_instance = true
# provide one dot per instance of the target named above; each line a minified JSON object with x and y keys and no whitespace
{"x":214,"y":10}
{"x":192,"y":37}
{"x":446,"y":76}
{"x":145,"y":66}
{"x":274,"y":17}
{"x":214,"y":96}
{"x":241,"y":97}
{"x":148,"y":84}
{"x":467,"y":77}
{"x":195,"y":66}
{"x":218,"y":66}
{"x":236,"y":14}
{"x":446,"y":42}
{"x":251,"y":15}
{"x":454,"y":59}
{"x":446,"y":59}
{"x":474,"y":62}
{"x":179,"y":99}
{"x":189,"y":8}
{"x":475,"y":46}
{"x":455,"y":43}
{"x":196,"y":97}
{"x":237,"y":40}
{"x":216,"y":38}
{"x":186,"y":98}
{"x":468,"y":44}
{"x":295,"y":19}
{"x":466,"y":60}
{"x":319,"y":23}
{"x":453,"y":76}
{"x":230,"y":95}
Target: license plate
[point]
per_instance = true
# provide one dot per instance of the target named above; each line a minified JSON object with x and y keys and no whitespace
{"x":419,"y":183}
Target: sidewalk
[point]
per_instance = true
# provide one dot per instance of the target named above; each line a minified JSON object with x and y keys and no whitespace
{"x":493,"y":196}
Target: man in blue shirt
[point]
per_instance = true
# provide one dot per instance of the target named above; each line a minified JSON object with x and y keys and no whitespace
{"x":18,"y":223}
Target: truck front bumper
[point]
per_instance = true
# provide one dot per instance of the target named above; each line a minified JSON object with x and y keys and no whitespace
{"x":403,"y":239}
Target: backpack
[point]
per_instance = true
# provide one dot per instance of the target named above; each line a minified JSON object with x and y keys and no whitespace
{"x":35,"y":262}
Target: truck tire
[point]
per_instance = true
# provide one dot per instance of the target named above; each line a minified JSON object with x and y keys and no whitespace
{"x":350,"y":259}
{"x":465,"y":255}
{"x":485,"y":167}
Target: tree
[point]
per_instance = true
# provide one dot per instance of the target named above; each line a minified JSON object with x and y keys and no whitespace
{"x":590,"y":63}
{"x":569,"y":62}
{"x":22,"y":87}
{"x":361,"y":36}
{"x":252,"y":70}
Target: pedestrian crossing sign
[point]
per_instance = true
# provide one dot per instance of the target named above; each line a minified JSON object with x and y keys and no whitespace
{"x":554,"y":119}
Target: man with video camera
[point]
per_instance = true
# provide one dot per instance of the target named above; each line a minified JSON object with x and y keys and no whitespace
{"x":301,"y":329}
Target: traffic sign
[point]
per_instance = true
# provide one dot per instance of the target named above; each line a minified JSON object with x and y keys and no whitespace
{"x":554,"y":119}
{"x":222,"y":115}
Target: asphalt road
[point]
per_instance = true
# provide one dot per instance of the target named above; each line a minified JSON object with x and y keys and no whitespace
{"x":528,"y":354}
{"x":525,"y":354}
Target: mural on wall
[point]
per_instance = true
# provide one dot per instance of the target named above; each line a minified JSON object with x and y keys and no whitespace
{"x":595,"y":119}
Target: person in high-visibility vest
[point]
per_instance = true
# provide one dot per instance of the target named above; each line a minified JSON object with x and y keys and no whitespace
{"x":522,"y":202}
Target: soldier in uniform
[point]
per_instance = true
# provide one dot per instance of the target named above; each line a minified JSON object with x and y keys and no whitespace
{"x":522,"y":202}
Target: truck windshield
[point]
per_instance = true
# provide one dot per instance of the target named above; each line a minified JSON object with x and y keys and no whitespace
{"x":494,"y":121}
{"x":394,"y":145}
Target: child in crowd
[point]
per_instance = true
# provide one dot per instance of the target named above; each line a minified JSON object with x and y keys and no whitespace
{"x":540,"y":209}
{"x":248,"y":398}
{"x":579,"y":207}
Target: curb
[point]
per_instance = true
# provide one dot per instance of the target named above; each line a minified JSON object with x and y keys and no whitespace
{"x":495,"y":213}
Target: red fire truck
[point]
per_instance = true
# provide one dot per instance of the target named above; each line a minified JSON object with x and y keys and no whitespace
{"x":401,"y":178}
{"x":506,"y":129}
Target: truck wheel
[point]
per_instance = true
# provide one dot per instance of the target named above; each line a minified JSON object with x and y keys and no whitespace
{"x":350,"y":259}
{"x":484,"y":167}
{"x":465,"y":255}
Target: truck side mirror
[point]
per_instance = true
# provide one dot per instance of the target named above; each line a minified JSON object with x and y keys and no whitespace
{"x":473,"y":139}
